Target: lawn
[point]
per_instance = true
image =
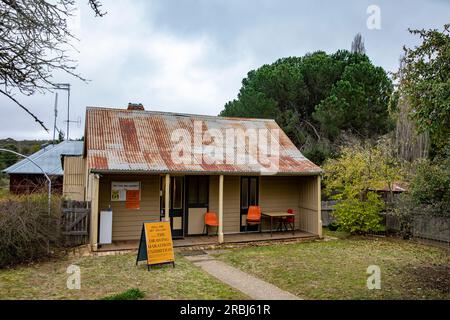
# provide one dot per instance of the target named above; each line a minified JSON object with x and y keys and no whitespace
{"x":336,"y":269}
{"x":112,"y":277}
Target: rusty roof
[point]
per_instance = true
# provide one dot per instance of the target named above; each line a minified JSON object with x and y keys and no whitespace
{"x":119,"y":140}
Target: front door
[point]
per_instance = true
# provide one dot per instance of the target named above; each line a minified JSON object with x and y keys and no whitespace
{"x":197,"y":195}
{"x":249,"y":197}
{"x":176,"y":204}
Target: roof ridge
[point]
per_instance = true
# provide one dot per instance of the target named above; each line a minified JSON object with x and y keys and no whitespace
{"x":181,"y":114}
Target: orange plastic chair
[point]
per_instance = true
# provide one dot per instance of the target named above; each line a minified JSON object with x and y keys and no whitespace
{"x":254,"y":216}
{"x":290,"y":220}
{"x":210,"y":221}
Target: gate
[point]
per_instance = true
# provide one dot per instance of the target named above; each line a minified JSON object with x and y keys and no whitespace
{"x":75,"y":222}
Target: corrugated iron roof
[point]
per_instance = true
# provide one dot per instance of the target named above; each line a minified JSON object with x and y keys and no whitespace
{"x":48,"y":158}
{"x":396,"y":187}
{"x":119,"y":140}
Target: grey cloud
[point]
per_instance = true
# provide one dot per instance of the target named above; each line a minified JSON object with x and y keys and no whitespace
{"x":190,"y":56}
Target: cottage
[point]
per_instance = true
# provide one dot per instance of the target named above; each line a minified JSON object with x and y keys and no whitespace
{"x":149,"y":165}
{"x":26,"y":177}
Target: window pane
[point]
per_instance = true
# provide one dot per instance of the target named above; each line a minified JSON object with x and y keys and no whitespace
{"x":253,"y":193}
{"x":244,"y":193}
{"x":193,"y":191}
{"x":203,"y":190}
{"x":177,"y":193}
{"x":163,"y":194}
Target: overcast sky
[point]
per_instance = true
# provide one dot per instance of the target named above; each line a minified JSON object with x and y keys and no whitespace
{"x":191,"y":55}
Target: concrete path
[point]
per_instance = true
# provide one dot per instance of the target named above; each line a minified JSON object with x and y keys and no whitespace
{"x":253,"y":287}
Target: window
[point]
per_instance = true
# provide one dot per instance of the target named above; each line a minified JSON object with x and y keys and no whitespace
{"x":253,"y":191}
{"x":249,"y":192}
{"x":244,"y":193}
{"x":198,"y":191}
{"x":177,"y":194}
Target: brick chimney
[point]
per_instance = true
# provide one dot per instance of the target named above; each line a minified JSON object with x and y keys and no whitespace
{"x":135,"y":106}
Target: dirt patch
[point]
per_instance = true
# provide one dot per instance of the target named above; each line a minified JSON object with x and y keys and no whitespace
{"x":430,"y":277}
{"x":193,"y":253}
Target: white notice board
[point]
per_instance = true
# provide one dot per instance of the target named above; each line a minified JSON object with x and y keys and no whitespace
{"x":119,"y":189}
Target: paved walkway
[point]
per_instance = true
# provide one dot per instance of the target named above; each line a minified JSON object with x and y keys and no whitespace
{"x":253,"y":287}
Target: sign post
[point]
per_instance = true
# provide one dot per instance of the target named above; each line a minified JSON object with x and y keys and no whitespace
{"x":156,"y":246}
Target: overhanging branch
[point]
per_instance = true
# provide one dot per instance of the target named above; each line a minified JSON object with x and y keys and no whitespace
{"x":41,"y":123}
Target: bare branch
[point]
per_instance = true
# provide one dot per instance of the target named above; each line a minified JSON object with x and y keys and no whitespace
{"x":35,"y":42}
{"x":96,"y":5}
{"x":24,"y":108}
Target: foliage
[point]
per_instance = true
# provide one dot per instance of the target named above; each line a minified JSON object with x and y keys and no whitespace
{"x":34,"y":42}
{"x":430,"y":186}
{"x":431,"y":182}
{"x":333,"y":226}
{"x":26,"y":228}
{"x":425,"y":80}
{"x":360,"y":216}
{"x":358,"y":103}
{"x":7,"y":158}
{"x":131,"y":294}
{"x":404,"y":210}
{"x":429,"y":194}
{"x":353,"y":178}
{"x":312,"y":98}
{"x":360,"y":169}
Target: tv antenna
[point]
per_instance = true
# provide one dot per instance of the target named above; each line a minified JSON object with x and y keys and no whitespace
{"x":56,"y":115}
{"x":55,"y":127}
{"x":66,"y":87}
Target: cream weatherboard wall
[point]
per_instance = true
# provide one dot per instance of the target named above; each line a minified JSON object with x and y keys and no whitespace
{"x":127,"y":223}
{"x":279,"y":194}
{"x":231,"y":201}
{"x":300,"y":193}
{"x":310,"y":205}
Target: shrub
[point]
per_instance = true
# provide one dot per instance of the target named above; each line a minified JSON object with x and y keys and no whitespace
{"x":360,"y":216}
{"x":131,"y":294}
{"x":430,"y":187}
{"x":333,"y":226}
{"x":404,"y":210}
{"x":26,"y":229}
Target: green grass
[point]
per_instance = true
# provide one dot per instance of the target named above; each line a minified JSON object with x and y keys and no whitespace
{"x":336,"y":269}
{"x":131,"y":294}
{"x":111,"y":275}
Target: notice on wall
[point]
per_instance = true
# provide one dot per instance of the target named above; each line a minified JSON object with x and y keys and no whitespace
{"x":132,"y":199}
{"x":119,"y":189}
{"x":156,"y":246}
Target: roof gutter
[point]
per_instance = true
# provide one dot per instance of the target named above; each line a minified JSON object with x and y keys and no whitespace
{"x":226,"y":173}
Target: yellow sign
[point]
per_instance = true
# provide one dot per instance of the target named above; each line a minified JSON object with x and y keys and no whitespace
{"x":156,"y":244}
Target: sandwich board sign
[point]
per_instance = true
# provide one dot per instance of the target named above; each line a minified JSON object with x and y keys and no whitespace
{"x":156,"y":246}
